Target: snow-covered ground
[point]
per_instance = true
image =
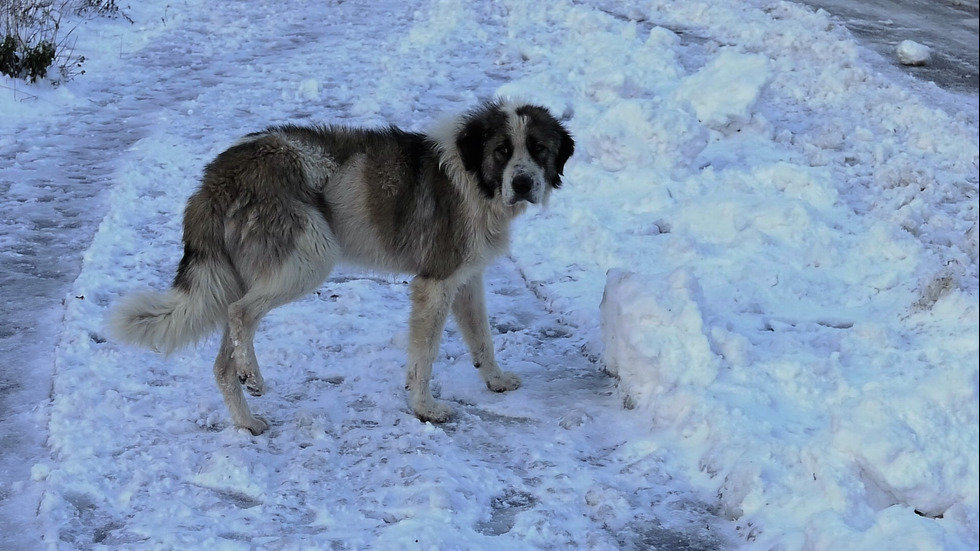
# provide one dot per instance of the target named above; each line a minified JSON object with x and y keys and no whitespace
{"x":770,"y":244}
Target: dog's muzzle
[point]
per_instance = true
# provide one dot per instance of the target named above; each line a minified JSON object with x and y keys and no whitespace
{"x":522,"y":185}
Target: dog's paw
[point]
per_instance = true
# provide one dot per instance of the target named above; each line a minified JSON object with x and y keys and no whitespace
{"x":253,"y":383}
{"x":256,"y":425}
{"x":433,"y":412}
{"x":503,"y":381}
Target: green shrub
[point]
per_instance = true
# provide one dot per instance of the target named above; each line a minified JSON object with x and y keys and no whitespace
{"x":31,"y":41}
{"x":103,"y":7}
{"x":37,"y":59}
{"x":9,"y":64}
{"x":28,"y":62}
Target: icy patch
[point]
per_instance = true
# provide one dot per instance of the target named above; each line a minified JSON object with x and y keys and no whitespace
{"x":503,"y":512}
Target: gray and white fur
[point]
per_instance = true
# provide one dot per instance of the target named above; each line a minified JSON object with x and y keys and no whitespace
{"x":277,"y":210}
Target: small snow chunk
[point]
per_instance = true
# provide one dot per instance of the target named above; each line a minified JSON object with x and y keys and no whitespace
{"x":309,"y":89}
{"x":574,"y":418}
{"x":40,"y":471}
{"x":610,"y":506}
{"x":911,"y":52}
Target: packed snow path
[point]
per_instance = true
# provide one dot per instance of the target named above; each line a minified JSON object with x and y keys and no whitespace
{"x":345,"y":465}
{"x":57,"y":170}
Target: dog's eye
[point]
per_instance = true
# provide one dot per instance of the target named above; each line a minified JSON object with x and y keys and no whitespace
{"x":535,"y":146}
{"x":502,"y":151}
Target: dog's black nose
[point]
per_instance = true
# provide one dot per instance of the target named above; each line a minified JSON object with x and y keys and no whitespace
{"x":522,"y":185}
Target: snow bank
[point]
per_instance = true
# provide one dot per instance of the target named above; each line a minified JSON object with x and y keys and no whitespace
{"x":786,"y":433}
{"x":789,"y":243}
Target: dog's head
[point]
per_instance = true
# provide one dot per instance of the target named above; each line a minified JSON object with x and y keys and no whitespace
{"x":516,"y":151}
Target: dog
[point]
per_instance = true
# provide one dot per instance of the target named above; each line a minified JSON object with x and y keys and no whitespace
{"x":280,"y":208}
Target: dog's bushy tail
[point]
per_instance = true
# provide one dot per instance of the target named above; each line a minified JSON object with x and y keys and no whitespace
{"x":185,"y":313}
{"x":205,"y":284}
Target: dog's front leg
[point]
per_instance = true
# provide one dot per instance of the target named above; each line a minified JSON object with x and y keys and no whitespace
{"x":431,"y":299}
{"x":470,"y":311}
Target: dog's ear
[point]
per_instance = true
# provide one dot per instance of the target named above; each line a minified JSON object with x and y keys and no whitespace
{"x":470,"y":142}
{"x":566,"y":147}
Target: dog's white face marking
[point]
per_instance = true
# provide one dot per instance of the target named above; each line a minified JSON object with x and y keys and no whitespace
{"x":523,"y":177}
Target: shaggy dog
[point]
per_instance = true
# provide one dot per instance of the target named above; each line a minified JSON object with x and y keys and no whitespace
{"x":276,"y":211}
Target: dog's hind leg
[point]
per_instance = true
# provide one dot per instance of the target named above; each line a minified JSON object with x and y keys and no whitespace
{"x":242,"y":367}
{"x":431,"y":299}
{"x":470,"y":311}
{"x":231,"y":390}
{"x":302,"y":272}
{"x":243,"y":319}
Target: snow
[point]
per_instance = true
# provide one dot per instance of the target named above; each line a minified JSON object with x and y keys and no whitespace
{"x":911,"y":52}
{"x":748,"y":320}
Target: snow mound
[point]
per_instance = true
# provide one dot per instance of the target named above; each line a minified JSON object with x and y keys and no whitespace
{"x":726,"y":90}
{"x":655,"y":342}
